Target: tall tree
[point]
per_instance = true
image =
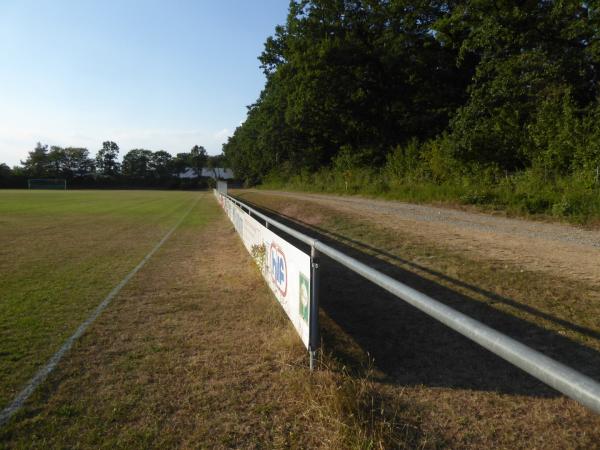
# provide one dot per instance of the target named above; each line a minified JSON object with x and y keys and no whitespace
{"x":181,"y":162}
{"x":78,"y":162}
{"x":214,"y":163}
{"x":37,"y":163}
{"x":106,"y":159}
{"x":361,"y":75}
{"x":161,"y":164}
{"x":57,"y":161}
{"x":5,"y":171}
{"x":136,"y":163}
{"x":198,"y":157}
{"x":526,"y":53}
{"x":6,"y":176}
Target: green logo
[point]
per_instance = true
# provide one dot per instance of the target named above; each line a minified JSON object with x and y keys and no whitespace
{"x":304,"y":297}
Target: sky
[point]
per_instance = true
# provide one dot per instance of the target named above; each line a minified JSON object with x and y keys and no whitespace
{"x":151,"y":74}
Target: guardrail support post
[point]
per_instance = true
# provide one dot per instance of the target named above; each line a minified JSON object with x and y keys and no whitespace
{"x":314,"y":338}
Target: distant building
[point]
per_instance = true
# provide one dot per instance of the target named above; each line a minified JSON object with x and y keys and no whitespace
{"x":216,"y":173}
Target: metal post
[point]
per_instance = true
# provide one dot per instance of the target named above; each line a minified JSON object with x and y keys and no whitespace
{"x":314,"y":338}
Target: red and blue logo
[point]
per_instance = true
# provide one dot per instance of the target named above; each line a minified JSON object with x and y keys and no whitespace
{"x":278,"y":268}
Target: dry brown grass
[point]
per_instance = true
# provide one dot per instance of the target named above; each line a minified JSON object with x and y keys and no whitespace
{"x":458,"y":395}
{"x":195,"y":353}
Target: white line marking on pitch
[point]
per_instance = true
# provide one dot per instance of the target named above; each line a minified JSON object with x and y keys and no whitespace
{"x":41,"y":375}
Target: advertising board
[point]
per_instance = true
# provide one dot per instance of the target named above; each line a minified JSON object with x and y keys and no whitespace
{"x":286,"y":269}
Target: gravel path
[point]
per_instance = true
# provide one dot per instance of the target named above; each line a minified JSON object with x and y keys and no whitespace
{"x":563,"y":249}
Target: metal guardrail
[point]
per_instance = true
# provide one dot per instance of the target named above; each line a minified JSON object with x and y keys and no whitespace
{"x":563,"y":378}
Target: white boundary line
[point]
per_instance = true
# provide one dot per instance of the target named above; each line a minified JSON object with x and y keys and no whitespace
{"x":41,"y":375}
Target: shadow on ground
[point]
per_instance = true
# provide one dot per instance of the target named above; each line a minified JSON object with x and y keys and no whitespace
{"x":409,"y":347}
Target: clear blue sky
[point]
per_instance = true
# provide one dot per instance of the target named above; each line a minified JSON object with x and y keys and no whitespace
{"x":146,"y":74}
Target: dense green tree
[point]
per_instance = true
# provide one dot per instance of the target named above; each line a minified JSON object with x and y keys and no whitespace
{"x":78,"y":162}
{"x":69,"y":162}
{"x":106,"y":159}
{"x":5,"y":172}
{"x":363,"y":75}
{"x":500,"y":85}
{"x":214,"y":162}
{"x":74,"y":163}
{"x":37,"y":163}
{"x":140,"y":163}
{"x":181,"y":162}
{"x":161,"y":164}
{"x":526,"y":53}
{"x":19,"y":171}
{"x":56,"y":161}
{"x":197,"y":159}
{"x":7,"y":176}
{"x":136,"y":163}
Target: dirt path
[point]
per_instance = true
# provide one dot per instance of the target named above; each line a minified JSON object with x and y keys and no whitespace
{"x":559,"y":249}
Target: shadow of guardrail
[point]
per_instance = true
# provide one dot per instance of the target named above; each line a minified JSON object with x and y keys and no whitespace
{"x":489,"y":296}
{"x":411,"y":348}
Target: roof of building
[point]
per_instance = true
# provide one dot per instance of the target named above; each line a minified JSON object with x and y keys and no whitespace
{"x":216,"y":173}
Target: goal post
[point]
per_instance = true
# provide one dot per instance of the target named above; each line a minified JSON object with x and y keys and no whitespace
{"x":47,"y":183}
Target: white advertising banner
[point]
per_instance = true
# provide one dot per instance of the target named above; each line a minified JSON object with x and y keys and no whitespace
{"x":286,"y":268}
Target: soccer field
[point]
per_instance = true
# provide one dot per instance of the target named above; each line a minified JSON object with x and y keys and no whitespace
{"x":61,"y":253}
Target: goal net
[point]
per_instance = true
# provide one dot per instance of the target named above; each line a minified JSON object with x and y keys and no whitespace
{"x":47,"y":183}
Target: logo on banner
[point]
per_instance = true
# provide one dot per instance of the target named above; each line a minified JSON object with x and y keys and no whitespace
{"x":303,"y":297}
{"x":278,"y":268}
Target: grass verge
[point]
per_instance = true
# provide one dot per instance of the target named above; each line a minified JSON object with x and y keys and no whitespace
{"x":574,"y":198}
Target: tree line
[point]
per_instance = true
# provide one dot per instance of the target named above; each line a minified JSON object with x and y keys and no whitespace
{"x":467,"y":95}
{"x":139,"y":167}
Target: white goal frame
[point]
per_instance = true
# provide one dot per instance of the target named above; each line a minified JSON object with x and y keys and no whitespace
{"x":47,"y":183}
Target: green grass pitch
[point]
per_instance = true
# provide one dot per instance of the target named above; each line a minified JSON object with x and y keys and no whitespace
{"x":61,"y":253}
